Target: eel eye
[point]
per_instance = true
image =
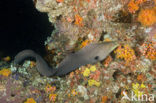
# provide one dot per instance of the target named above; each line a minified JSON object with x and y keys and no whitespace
{"x":96,"y":58}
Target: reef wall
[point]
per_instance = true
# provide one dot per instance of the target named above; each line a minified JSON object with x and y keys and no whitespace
{"x":130,"y":70}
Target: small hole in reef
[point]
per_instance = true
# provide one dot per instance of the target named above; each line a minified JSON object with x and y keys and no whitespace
{"x":96,"y":58}
{"x":12,"y":95}
{"x":118,"y":93}
{"x":73,"y":52}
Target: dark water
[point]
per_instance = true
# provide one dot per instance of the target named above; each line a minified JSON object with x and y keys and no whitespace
{"x":22,"y":27}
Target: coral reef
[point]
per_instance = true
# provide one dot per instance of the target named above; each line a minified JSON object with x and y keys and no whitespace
{"x":125,"y":53}
{"x":147,"y":17}
{"x":130,"y":70}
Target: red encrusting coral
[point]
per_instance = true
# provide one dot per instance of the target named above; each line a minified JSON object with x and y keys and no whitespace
{"x":148,"y":50}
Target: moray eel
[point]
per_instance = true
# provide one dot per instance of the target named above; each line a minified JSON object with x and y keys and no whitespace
{"x":90,"y":54}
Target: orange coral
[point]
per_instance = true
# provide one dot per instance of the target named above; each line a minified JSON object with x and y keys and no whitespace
{"x":149,"y":51}
{"x":104,"y":99}
{"x":71,"y":75}
{"x":32,"y":64}
{"x":74,"y":92}
{"x":52,"y":97}
{"x":132,"y":6}
{"x":107,"y":61}
{"x":107,"y":39}
{"x":5,"y":72}
{"x":30,"y":100}
{"x":96,"y":75}
{"x":141,"y":77}
{"x":50,"y":88}
{"x":88,"y":0}
{"x":126,"y":53}
{"x":78,"y":20}
{"x":69,"y":19}
{"x":147,"y":17}
{"x":60,"y":1}
{"x":84,"y":43}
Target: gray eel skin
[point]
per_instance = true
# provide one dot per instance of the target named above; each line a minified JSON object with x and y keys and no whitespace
{"x":90,"y":54}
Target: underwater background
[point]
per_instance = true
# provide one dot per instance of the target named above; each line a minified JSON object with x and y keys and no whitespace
{"x":22,"y":27}
{"x":66,"y":34}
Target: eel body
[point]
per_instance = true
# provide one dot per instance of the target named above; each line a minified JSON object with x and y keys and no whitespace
{"x":90,"y":54}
